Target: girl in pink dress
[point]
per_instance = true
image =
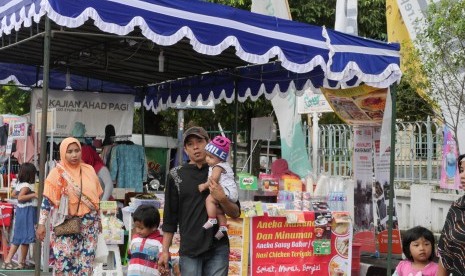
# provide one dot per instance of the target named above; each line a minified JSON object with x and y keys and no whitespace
{"x":418,"y":247}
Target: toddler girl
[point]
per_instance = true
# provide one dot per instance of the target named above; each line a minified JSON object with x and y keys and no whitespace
{"x":220,"y":171}
{"x":25,"y":217}
{"x":418,"y":247}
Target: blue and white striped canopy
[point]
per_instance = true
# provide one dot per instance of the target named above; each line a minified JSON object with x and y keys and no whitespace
{"x":331,"y":58}
{"x":27,"y":76}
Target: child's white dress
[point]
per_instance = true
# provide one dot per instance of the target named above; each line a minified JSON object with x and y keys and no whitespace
{"x":25,"y":218}
{"x":227,"y":180}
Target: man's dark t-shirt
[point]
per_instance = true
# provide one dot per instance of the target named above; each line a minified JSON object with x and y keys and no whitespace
{"x":184,"y":204}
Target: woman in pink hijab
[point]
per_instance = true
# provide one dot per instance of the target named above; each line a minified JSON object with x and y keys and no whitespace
{"x":74,"y":253}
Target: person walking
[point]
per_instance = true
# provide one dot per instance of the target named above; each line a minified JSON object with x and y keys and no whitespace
{"x":451,"y":246}
{"x":201,"y":254}
{"x":146,"y":244}
{"x":71,"y":194}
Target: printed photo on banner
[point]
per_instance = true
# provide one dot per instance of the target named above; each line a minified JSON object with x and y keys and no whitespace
{"x":362,"y":105}
{"x":364,"y":231}
{"x":363,"y":174}
{"x":381,"y":196}
{"x":237,"y":246}
{"x":450,"y":178}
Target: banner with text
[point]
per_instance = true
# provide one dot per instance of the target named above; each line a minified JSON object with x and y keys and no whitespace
{"x":363,"y":175}
{"x":310,"y":102}
{"x":88,"y":111}
{"x":382,"y":185}
{"x":280,"y":248}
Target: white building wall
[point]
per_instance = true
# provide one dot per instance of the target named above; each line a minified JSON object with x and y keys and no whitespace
{"x":422,"y":205}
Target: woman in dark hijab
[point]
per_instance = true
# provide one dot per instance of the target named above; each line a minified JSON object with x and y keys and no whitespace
{"x":109,"y":132}
{"x":451,"y":245}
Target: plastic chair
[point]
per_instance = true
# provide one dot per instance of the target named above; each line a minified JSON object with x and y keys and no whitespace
{"x":113,"y":265}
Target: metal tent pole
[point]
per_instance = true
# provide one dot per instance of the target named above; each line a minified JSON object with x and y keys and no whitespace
{"x":392,"y":156}
{"x":236,"y":102}
{"x":180,"y":150}
{"x":43,"y":136}
{"x":142,"y":117}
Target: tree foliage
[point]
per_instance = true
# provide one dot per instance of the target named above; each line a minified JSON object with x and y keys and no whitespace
{"x":371,"y":18}
{"x":410,"y":106}
{"x":14,"y":100}
{"x":441,"y":47}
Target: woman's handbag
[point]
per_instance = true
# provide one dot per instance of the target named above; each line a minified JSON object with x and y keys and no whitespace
{"x":71,"y":225}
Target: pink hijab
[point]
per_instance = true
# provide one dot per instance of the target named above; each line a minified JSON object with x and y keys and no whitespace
{"x":80,"y":172}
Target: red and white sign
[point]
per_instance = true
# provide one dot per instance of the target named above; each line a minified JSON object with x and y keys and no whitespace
{"x":280,"y":248}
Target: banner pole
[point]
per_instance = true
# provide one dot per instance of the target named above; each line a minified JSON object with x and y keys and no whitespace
{"x":391,"y":177}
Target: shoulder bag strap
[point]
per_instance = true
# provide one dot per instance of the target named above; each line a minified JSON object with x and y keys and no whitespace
{"x":80,"y":196}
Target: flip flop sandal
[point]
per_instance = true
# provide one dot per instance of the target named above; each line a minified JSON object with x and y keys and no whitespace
{"x":8,"y":266}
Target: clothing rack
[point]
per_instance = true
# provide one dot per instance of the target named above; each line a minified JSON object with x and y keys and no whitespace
{"x":77,"y":137}
{"x":121,"y":137}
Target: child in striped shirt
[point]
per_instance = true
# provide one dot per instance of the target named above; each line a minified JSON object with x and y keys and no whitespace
{"x":146,"y":243}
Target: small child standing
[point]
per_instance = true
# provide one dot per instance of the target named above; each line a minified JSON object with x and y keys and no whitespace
{"x":25,"y":217}
{"x":221,"y":172}
{"x":146,"y":243}
{"x":418,"y":247}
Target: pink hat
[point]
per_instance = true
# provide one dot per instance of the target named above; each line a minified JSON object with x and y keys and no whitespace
{"x":279,"y":167}
{"x":219,"y":147}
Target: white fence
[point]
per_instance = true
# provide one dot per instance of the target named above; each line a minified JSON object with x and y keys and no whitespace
{"x":418,"y":151}
{"x":417,"y":169}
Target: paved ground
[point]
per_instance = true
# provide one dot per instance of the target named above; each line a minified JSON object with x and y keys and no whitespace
{"x":21,"y":273}
{"x":29,"y":272}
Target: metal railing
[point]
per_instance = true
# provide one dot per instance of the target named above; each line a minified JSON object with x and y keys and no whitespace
{"x":418,"y":150}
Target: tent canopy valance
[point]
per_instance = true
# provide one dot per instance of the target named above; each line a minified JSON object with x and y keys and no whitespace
{"x":121,"y":41}
{"x":28,"y":76}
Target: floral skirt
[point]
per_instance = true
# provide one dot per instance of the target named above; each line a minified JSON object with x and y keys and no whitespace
{"x":74,"y":254}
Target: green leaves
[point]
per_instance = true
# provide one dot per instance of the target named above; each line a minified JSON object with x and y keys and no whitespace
{"x":14,"y":100}
{"x":441,"y":46}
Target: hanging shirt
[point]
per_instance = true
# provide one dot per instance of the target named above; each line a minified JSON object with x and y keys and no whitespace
{"x":25,"y":148}
{"x":128,"y":166}
{"x":3,"y":140}
{"x":91,"y":157}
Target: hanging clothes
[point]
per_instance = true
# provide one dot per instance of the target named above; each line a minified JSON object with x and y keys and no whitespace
{"x":3,"y":140}
{"x":106,"y":154}
{"x":91,"y":157}
{"x":25,"y":149}
{"x":128,"y":166}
